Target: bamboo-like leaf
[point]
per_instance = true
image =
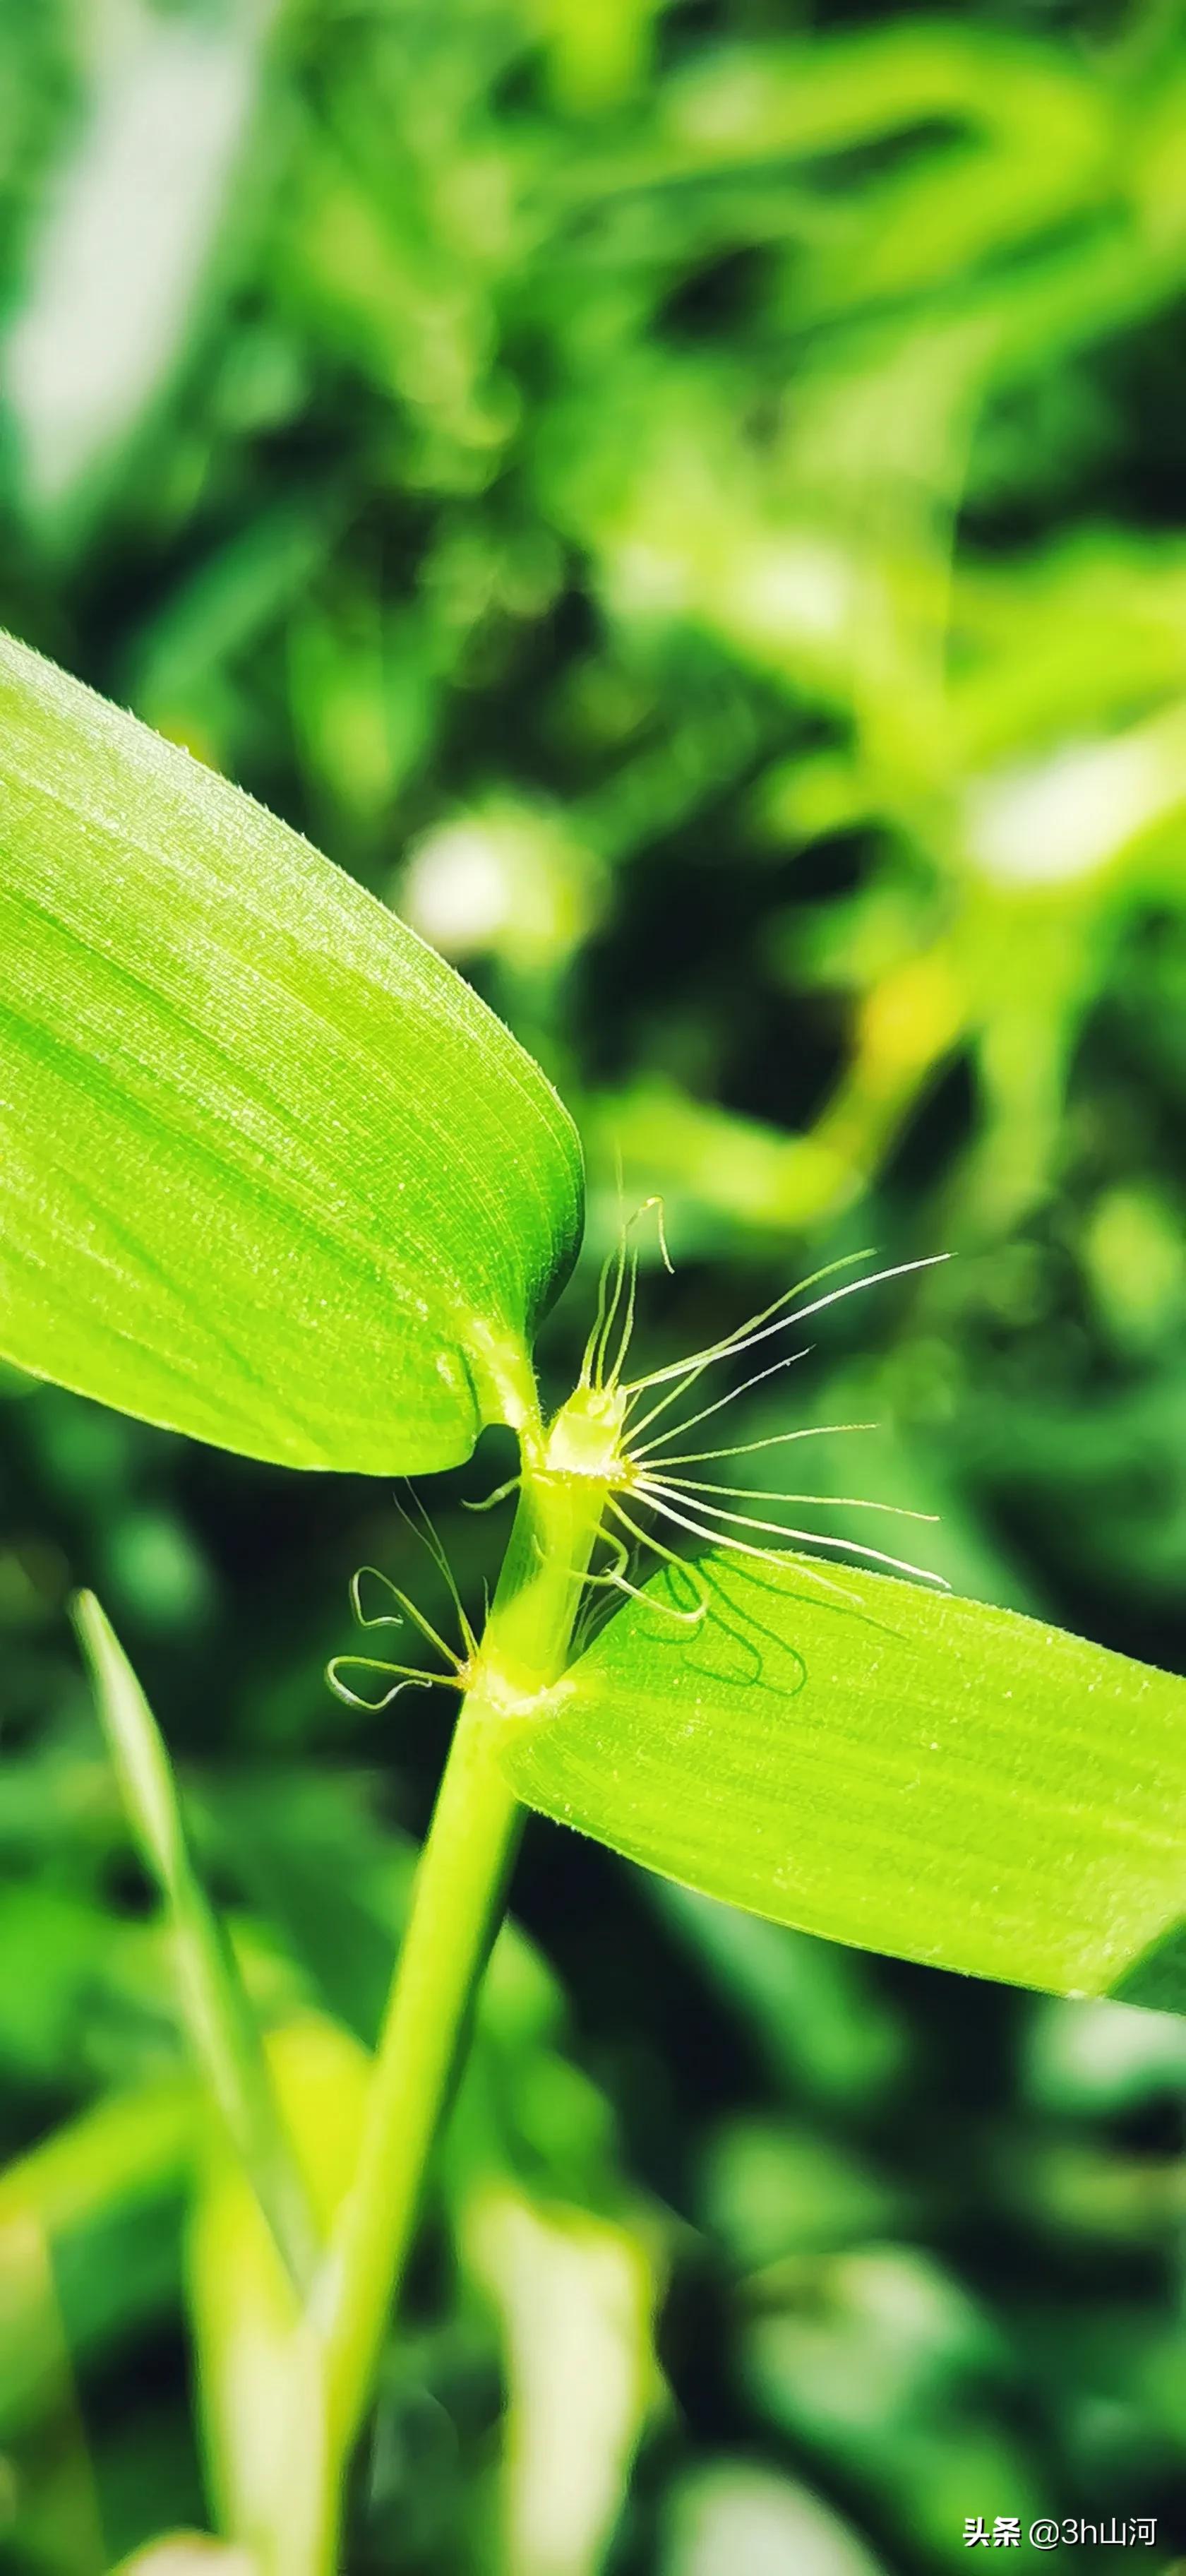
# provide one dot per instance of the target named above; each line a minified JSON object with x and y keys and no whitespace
{"x":919,"y":1775}
{"x":270,"y":1173}
{"x":222,"y":2030}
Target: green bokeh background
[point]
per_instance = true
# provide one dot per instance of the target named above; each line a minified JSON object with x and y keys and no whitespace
{"x":689,"y":503}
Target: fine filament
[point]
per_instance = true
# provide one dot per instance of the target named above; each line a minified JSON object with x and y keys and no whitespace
{"x":699,"y":1506}
{"x":405,"y":1676}
{"x":645,"y":1473}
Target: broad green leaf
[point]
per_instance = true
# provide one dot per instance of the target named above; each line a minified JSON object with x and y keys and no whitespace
{"x":1158,"y":1978}
{"x":912,"y":1773}
{"x":270,"y":1173}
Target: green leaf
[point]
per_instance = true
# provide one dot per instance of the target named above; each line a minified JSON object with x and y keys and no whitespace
{"x":218,"y":2016}
{"x":260,"y":2357}
{"x":912,"y":1773}
{"x":575,"y":2295}
{"x":270,"y":1173}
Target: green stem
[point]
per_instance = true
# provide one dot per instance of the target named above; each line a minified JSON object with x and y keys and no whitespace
{"x":457,"y":1901}
{"x":458,"y":1897}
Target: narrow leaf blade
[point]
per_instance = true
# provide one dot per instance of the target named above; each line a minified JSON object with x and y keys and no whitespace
{"x":270,"y":1173}
{"x":914,"y":1774}
{"x":218,"y":2016}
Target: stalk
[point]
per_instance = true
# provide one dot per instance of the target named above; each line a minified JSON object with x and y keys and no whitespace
{"x":457,"y":1902}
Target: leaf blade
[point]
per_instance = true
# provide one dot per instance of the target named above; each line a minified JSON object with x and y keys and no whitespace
{"x":270,"y":1173}
{"x":221,"y":2028}
{"x":908,"y":1773}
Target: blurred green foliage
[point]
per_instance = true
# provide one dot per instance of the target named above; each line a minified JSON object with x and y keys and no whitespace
{"x":688,"y":502}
